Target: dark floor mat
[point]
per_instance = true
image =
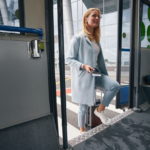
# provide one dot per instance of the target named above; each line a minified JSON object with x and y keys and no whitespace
{"x":38,"y":134}
{"x":130,"y":133}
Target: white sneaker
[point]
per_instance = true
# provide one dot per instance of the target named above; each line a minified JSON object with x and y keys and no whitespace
{"x":105,"y":120}
{"x":82,"y":132}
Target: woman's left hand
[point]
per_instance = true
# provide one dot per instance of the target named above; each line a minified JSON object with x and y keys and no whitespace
{"x":88,"y":68}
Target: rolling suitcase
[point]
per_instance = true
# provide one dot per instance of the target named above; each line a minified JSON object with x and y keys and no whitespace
{"x":90,"y":119}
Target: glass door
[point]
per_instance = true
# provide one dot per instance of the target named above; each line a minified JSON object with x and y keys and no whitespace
{"x":126,"y":55}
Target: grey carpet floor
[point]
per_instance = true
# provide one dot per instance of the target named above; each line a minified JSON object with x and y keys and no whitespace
{"x":130,"y":133}
{"x":38,"y":134}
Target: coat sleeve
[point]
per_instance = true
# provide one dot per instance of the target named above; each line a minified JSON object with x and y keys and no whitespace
{"x":72,"y":54}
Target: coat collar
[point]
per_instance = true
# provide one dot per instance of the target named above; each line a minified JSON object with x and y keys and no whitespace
{"x":88,"y":40}
{"x":86,"y":37}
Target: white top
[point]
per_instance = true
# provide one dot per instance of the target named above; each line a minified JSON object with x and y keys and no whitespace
{"x":97,"y":50}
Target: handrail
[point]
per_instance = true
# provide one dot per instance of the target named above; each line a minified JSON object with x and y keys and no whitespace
{"x":22,"y":29}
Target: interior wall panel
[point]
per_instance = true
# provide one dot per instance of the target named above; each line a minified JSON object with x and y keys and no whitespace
{"x":23,"y":84}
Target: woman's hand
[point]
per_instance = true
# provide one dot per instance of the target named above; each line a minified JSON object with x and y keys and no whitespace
{"x":88,"y":68}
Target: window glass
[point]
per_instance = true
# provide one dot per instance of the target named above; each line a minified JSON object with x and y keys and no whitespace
{"x":111,"y":55}
{"x":64,"y":27}
{"x":96,"y":4}
{"x":79,"y":9}
{"x":110,"y":30}
{"x":65,"y":39}
{"x":145,"y":13}
{"x":55,"y":17}
{"x":102,"y":43}
{"x":145,"y":43}
{"x":9,"y":13}
{"x":126,"y":4}
{"x":73,"y":0}
{"x":16,"y":23}
{"x":55,"y":30}
{"x":126,"y":15}
{"x":74,"y":11}
{"x":110,"y":42}
{"x":55,"y":6}
{"x":113,"y":41}
{"x":126,"y":28}
{"x":1,"y":20}
{"x":102,"y":31}
{"x":125,"y":68}
{"x":125,"y":41}
{"x":15,"y":5}
{"x":75,"y":32}
{"x":55,"y":38}
{"x":110,"y":6}
{"x":65,"y":47}
{"x":101,"y":10}
{"x":101,"y":20}
{"x":125,"y":58}
{"x":84,"y":8}
{"x":75,"y":26}
{"x":80,"y":25}
{"x":110,"y":18}
{"x":8,"y":2}
{"x":56,"y":50}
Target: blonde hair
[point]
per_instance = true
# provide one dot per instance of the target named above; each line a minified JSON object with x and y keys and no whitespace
{"x":96,"y":33}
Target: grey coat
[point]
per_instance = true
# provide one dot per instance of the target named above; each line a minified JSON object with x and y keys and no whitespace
{"x":82,"y":83}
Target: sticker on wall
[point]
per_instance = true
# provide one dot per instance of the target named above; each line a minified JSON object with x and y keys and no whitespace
{"x":124,"y":35}
{"x":145,"y":30}
{"x":125,"y":40}
{"x":142,"y":31}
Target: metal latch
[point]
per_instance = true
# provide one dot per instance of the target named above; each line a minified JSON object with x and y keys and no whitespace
{"x":35,"y":48}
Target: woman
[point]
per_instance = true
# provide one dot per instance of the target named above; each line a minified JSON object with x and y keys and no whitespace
{"x":83,"y":56}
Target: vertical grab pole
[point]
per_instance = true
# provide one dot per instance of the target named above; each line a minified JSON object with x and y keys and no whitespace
{"x":132,"y":49}
{"x":49,"y":26}
{"x":62,"y":73}
{"x":140,"y":10}
{"x":119,"y":45}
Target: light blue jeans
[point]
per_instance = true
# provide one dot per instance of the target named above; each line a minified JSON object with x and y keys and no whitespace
{"x":109,"y":87}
